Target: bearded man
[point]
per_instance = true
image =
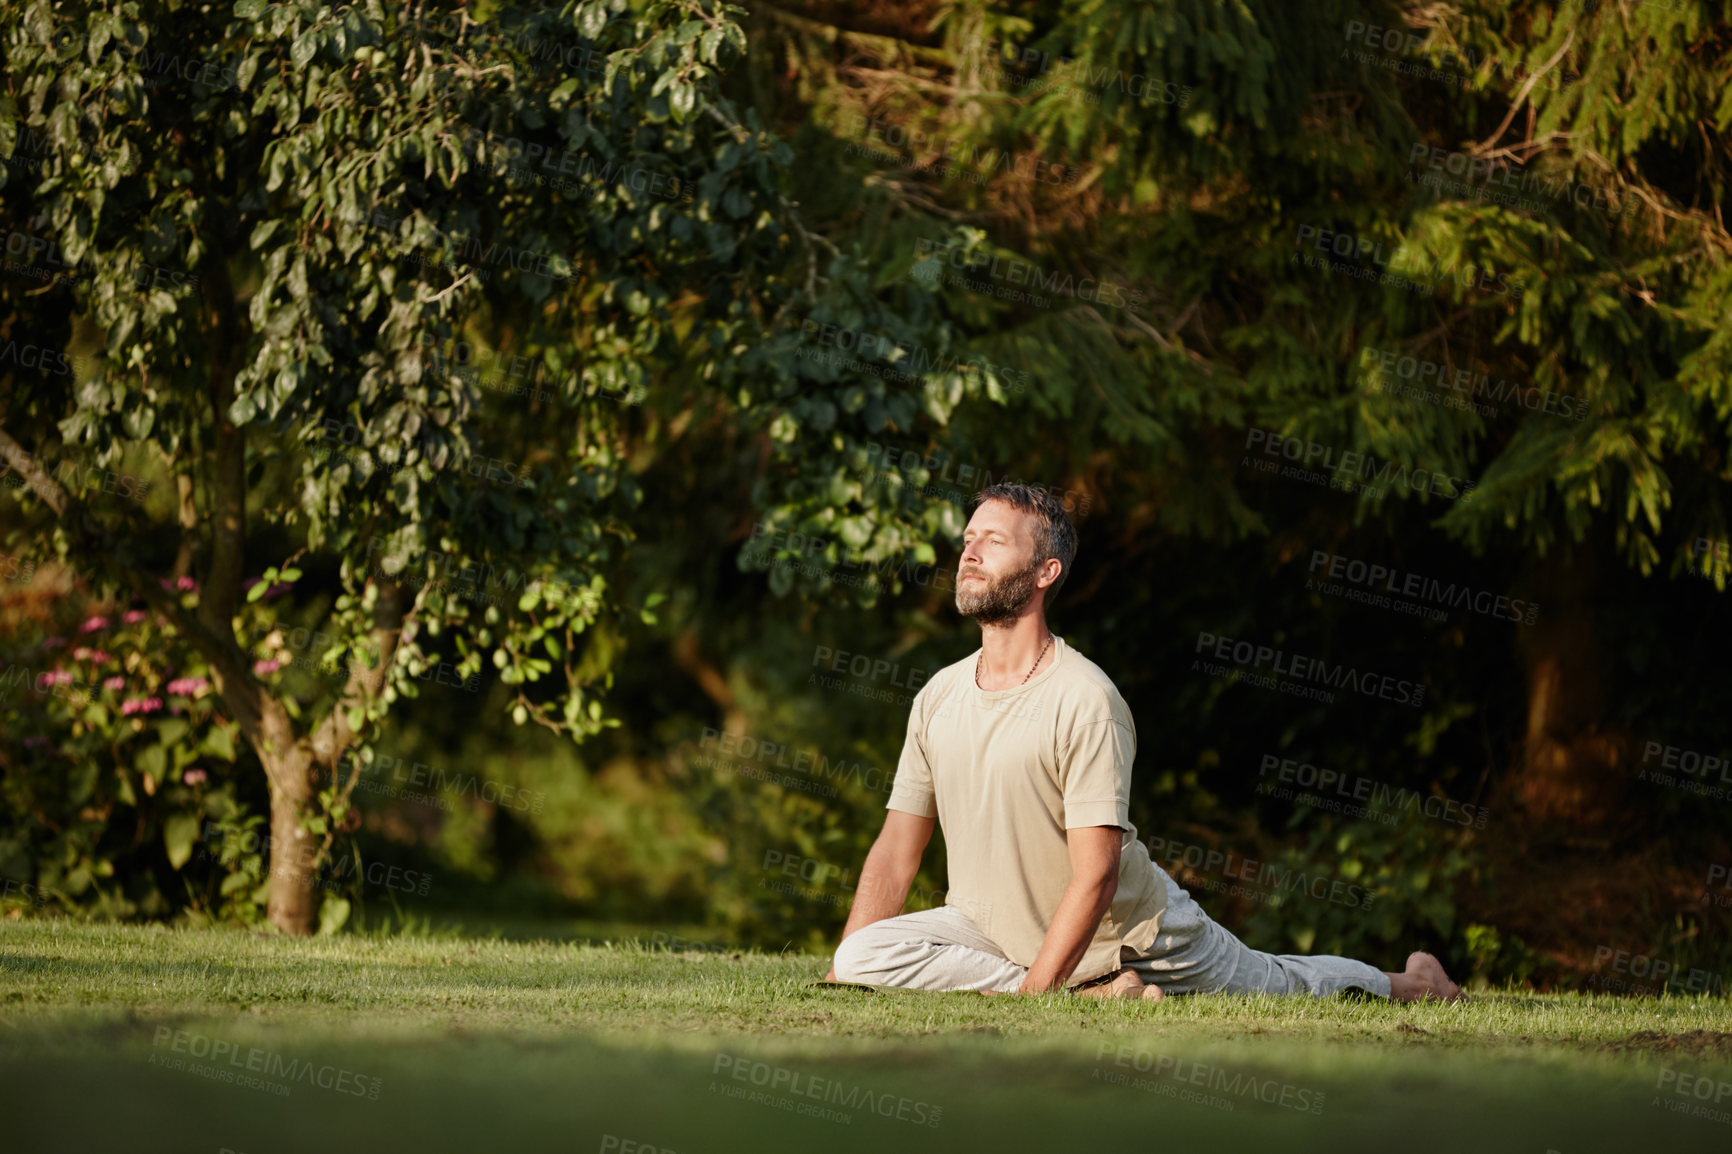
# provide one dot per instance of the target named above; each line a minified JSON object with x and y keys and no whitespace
{"x":1022,"y":753}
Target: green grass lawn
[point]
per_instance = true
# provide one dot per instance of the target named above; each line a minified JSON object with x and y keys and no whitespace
{"x":125,"y":1039}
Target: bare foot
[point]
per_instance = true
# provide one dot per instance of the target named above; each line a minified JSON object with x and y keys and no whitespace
{"x":1125,"y":985}
{"x":1423,"y":980}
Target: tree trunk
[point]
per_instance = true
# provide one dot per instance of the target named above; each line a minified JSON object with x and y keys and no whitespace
{"x":292,"y":905}
{"x":1567,"y":779}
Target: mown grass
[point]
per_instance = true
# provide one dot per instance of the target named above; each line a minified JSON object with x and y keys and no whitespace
{"x":494,"y":1045}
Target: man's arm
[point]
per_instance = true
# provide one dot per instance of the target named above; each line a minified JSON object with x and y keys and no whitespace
{"x":1094,"y":879}
{"x":889,"y":871}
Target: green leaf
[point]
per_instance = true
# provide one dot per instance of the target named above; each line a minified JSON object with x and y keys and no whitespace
{"x":333,"y":912}
{"x":178,"y":834}
{"x":712,"y":40}
{"x":153,"y":759}
{"x":682,"y":99}
{"x":302,"y":50}
{"x":218,"y":742}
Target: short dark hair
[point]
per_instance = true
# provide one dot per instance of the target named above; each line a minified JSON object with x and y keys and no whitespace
{"x":1054,"y":535}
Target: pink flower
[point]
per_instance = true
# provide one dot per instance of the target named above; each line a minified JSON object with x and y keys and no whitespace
{"x":195,"y":777}
{"x":84,"y":653}
{"x":140,"y":705}
{"x":264,"y":667}
{"x":133,"y":616}
{"x":92,"y":624}
{"x":186,"y":584}
{"x":187,"y":686}
{"x":57,"y":677}
{"x":114,"y":683}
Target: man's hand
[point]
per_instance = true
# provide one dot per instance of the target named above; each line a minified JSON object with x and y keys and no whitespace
{"x":1094,"y":868}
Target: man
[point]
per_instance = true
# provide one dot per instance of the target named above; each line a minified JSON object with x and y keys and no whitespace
{"x":1022,"y":752}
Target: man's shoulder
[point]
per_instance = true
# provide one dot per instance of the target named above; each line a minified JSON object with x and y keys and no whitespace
{"x":959,"y":672}
{"x":1090,"y":691}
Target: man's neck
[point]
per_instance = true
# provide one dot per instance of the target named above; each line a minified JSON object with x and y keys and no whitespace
{"x":1009,"y":652}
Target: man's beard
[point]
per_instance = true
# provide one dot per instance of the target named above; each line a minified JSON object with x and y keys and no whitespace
{"x":1001,"y":600}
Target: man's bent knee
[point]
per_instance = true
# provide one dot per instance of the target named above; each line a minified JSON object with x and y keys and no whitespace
{"x":856,"y":959}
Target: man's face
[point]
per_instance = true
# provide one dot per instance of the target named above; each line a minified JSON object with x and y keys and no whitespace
{"x":998,"y":572}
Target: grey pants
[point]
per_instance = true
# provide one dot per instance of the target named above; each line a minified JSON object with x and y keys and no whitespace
{"x":941,"y":949}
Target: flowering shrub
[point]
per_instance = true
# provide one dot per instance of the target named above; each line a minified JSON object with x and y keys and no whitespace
{"x":114,"y":761}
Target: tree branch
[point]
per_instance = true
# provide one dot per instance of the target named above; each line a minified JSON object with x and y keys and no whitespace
{"x":221,"y":591}
{"x":34,"y":475}
{"x":334,"y":734}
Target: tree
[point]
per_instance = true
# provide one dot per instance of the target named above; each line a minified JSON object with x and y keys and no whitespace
{"x":295,"y":230}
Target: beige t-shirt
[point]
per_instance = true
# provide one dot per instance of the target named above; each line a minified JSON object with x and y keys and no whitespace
{"x":1007,"y":773}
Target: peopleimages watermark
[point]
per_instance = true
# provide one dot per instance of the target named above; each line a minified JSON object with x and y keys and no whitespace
{"x":427,"y":785}
{"x":42,"y":358}
{"x":517,"y":375}
{"x":1694,"y":1090}
{"x":277,"y":640}
{"x":82,"y":480}
{"x":780,"y":865}
{"x":1350,"y":471}
{"x":343,"y":441}
{"x":456,"y":33}
{"x":241,"y":1065}
{"x":12,"y":890}
{"x":835,"y":346}
{"x":468,"y":256}
{"x":807,"y":869}
{"x":1453,"y":68}
{"x":302,"y":862}
{"x":15,"y":568}
{"x":853,"y":569}
{"x":796,"y":1085}
{"x":950,"y":156}
{"x":884,"y":462}
{"x":1718,"y":875}
{"x":1690,"y":763}
{"x":755,"y":756}
{"x":1248,"y":656}
{"x":1657,"y":975}
{"x":475,"y":581}
{"x":1173,"y":1077}
{"x":61,"y":683}
{"x":673,"y":943}
{"x":1264,"y":881}
{"x":1718,"y":554}
{"x":1501,"y":181}
{"x":614,"y":1144}
{"x":1461,"y":387}
{"x":1378,"y":580}
{"x":1074,"y":79}
{"x":989,"y":273}
{"x":1383,"y":802}
{"x":23,"y":250}
{"x":1411,"y":272}
{"x":572,"y":173}
{"x":861,"y":671}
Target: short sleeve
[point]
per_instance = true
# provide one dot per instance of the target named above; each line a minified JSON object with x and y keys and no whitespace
{"x":1095,"y":773}
{"x":912,"y":791}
